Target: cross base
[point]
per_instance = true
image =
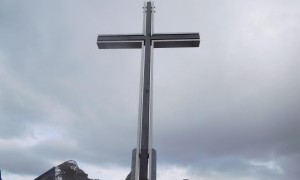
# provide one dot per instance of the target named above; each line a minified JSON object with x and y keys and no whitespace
{"x":131,"y":175}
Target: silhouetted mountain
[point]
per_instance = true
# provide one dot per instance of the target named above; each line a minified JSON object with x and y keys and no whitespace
{"x":68,"y":170}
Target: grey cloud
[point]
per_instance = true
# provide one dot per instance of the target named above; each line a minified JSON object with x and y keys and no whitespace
{"x":18,"y":160}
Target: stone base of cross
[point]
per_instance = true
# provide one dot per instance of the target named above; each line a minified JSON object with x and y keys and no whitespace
{"x":144,"y":156}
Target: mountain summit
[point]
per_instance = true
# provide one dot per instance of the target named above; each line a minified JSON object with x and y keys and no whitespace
{"x":68,"y":170}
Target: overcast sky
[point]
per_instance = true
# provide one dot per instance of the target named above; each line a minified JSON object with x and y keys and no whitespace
{"x":228,"y":110}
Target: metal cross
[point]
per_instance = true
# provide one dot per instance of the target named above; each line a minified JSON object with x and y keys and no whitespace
{"x":146,"y":42}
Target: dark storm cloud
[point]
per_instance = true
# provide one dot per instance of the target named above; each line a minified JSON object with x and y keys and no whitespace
{"x":229,"y":107}
{"x":20,"y":160}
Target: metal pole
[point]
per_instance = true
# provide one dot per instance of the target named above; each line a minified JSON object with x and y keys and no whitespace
{"x":144,"y":154}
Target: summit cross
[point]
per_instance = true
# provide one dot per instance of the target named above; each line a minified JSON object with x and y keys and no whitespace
{"x":144,"y":157}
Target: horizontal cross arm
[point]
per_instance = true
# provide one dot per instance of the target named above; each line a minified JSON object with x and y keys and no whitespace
{"x":120,"y":41}
{"x":176,"y":40}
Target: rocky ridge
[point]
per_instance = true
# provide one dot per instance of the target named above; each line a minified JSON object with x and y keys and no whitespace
{"x":68,"y":170}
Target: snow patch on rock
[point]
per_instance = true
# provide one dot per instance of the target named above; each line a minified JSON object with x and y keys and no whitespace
{"x":58,"y":174}
{"x":73,"y":165}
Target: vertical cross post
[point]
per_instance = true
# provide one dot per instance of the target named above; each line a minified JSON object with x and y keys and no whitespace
{"x":146,"y":106}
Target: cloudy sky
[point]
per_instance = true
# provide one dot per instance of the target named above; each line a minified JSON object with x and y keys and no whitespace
{"x":228,"y":110}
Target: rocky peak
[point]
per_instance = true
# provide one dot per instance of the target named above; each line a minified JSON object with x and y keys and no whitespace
{"x":68,"y":170}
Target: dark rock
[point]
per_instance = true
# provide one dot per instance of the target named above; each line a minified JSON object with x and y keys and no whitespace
{"x":68,"y":170}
